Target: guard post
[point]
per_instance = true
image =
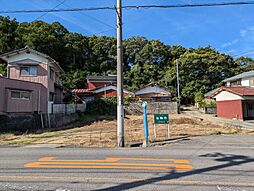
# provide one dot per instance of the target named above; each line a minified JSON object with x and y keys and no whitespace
{"x":146,"y":143}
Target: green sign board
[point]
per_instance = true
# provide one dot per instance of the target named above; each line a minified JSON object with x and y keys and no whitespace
{"x":161,"y":119}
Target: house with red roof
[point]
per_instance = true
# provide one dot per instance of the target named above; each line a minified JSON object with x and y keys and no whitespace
{"x":235,"y":102}
{"x":100,"y":87}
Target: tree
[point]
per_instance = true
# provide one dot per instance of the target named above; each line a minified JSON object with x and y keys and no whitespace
{"x":102,"y":55}
{"x":246,"y":63}
{"x":3,"y":69}
{"x":44,"y":37}
{"x":8,"y":34}
{"x":199,"y":96}
{"x":77,"y":51}
{"x":74,"y":79}
{"x":201,"y":70}
{"x":145,"y":61}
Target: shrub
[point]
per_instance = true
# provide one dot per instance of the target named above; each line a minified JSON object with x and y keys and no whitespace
{"x":199,"y":97}
{"x":103,"y":106}
{"x":128,"y":100}
{"x":208,"y":104}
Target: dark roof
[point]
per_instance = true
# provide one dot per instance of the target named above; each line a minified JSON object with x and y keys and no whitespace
{"x":27,"y":49}
{"x":155,"y":89}
{"x":211,"y":93}
{"x":239,"y":76}
{"x":241,"y":91}
{"x":102,"y":78}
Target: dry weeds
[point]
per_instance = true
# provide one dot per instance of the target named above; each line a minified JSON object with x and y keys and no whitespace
{"x":103,"y":133}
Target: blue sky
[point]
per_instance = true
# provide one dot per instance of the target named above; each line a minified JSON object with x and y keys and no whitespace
{"x":228,"y":29}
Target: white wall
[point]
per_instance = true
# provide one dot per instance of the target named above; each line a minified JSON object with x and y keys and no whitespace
{"x":227,"y":96}
{"x":245,"y":81}
{"x":24,"y":55}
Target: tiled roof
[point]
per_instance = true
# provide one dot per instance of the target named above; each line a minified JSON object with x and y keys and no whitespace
{"x":243,"y":91}
{"x":239,"y":76}
{"x":211,"y":93}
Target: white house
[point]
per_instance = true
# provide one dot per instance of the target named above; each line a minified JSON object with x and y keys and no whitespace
{"x":243,"y":79}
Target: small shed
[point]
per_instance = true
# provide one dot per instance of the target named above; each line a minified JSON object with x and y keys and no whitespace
{"x":154,"y":92}
{"x":235,"y":102}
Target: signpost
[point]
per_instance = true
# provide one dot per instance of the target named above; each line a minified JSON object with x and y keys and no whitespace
{"x":161,"y":119}
{"x":144,"y":104}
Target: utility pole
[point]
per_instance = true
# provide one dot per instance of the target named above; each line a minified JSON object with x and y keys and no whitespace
{"x":178,"y":87}
{"x":120,"y":109}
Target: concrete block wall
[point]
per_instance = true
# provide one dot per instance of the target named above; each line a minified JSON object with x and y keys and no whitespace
{"x":162,"y":107}
{"x":30,"y":122}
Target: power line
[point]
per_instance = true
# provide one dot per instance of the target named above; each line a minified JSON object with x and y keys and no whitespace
{"x":102,"y":32}
{"x":61,"y":2}
{"x":131,"y":7}
{"x":243,"y":53}
{"x":191,"y":5}
{"x":91,"y":17}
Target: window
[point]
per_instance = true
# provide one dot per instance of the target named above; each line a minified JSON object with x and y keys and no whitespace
{"x":28,"y":71}
{"x":24,"y":95}
{"x":51,"y":74}
{"x":236,"y":83}
{"x":252,"y":82}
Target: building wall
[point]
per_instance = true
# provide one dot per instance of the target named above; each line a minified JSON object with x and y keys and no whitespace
{"x":230,"y":109}
{"x":93,"y":85}
{"x":245,"y":81}
{"x":42,"y":74}
{"x":225,"y":95}
{"x":37,"y":102}
{"x":153,"y":95}
{"x":58,"y":96}
{"x":14,"y":72}
{"x":108,"y":93}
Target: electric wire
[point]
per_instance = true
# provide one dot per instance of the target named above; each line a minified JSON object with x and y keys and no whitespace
{"x":131,"y":7}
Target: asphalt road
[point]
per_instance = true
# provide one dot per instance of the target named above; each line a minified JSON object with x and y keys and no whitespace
{"x":213,"y":163}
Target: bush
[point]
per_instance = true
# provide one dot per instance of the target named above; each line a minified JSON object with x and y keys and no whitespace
{"x":208,"y":104}
{"x":103,"y":106}
{"x":199,"y":97}
{"x":128,"y":100}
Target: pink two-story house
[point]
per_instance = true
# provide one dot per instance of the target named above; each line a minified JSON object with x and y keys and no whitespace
{"x":33,"y":80}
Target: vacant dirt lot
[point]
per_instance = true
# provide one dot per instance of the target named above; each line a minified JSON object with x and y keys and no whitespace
{"x":103,"y":133}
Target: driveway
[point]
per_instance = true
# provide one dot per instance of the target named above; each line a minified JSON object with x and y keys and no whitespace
{"x":216,"y":120}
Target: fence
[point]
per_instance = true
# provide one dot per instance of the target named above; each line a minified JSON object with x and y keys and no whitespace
{"x":68,"y":108}
{"x":210,"y":110}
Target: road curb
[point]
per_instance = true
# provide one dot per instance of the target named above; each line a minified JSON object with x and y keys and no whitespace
{"x":157,"y":143}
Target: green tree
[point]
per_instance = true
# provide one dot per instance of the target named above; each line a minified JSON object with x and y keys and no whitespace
{"x":246,"y":63}
{"x":199,"y":96}
{"x":8,"y":34}
{"x":74,"y":79}
{"x":77,"y":51}
{"x":102,"y":58}
{"x":3,"y":69}
{"x":44,"y":37}
{"x":201,"y":70}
